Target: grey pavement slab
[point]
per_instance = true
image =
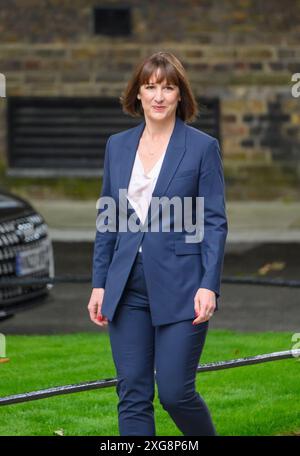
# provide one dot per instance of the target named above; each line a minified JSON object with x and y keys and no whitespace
{"x":241,"y":307}
{"x":248,"y":222}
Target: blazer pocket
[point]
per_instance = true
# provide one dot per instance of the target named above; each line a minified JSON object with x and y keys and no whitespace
{"x":184,"y":248}
{"x":117,"y":243}
{"x":186,"y":173}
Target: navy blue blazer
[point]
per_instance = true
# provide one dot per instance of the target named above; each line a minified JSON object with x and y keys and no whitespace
{"x":174,"y":269}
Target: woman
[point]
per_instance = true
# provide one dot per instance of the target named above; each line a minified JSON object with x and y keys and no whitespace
{"x":155,"y":289}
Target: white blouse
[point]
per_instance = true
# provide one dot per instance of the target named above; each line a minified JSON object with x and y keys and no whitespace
{"x":141,"y":186}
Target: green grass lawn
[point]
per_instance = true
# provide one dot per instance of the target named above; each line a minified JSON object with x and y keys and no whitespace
{"x":77,"y":188}
{"x":261,"y":399}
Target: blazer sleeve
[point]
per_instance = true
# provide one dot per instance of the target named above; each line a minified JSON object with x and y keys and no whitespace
{"x":212,"y":188}
{"x":104,"y":241}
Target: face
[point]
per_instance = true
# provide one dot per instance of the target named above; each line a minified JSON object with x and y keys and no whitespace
{"x":159,"y":100}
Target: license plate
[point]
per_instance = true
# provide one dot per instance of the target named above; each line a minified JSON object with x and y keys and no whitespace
{"x":32,"y":260}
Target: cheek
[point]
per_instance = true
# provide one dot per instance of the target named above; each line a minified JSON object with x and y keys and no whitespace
{"x":173,"y":98}
{"x":147,"y":98}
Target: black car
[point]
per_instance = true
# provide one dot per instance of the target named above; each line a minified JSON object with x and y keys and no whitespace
{"x":25,"y":252}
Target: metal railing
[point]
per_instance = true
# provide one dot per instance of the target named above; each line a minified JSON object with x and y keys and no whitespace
{"x":96,"y":384}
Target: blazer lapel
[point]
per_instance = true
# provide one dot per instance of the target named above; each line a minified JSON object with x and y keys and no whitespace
{"x":128,"y":156}
{"x":173,"y":156}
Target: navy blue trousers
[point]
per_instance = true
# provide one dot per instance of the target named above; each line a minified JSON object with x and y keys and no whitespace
{"x":173,"y":350}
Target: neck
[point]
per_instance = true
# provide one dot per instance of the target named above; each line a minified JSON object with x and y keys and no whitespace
{"x":154,"y":130}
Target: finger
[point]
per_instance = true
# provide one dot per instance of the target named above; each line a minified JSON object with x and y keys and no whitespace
{"x":202,"y":313}
{"x":200,"y":317}
{"x":197,"y":321}
{"x":99,"y":313}
{"x":93,"y":316}
{"x":94,"y":312}
{"x":209,"y":312}
{"x":102,"y":319}
{"x":103,"y":323}
{"x":197,"y":306}
{"x":197,"y":310}
{"x":99,"y":323}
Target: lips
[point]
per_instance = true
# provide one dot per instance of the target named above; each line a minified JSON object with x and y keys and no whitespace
{"x":159,"y":108}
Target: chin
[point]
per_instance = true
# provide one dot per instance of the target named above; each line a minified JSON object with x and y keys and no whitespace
{"x":160,"y":115}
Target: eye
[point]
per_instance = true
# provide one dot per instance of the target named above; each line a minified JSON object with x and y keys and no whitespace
{"x":170,"y":87}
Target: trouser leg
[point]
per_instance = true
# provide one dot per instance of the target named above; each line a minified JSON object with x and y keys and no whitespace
{"x":178,"y":347}
{"x":132,"y":343}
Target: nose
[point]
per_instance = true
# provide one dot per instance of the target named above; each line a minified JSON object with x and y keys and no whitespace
{"x":158,"y":95}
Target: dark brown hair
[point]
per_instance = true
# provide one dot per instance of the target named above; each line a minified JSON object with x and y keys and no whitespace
{"x":172,"y":70}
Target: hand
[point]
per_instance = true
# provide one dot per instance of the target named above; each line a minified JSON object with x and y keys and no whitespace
{"x":95,"y":305}
{"x":204,"y":305}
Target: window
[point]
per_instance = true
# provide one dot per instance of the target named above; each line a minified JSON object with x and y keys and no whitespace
{"x":112,"y":20}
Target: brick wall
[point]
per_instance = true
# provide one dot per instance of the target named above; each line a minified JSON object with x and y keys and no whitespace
{"x":243,"y":52}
